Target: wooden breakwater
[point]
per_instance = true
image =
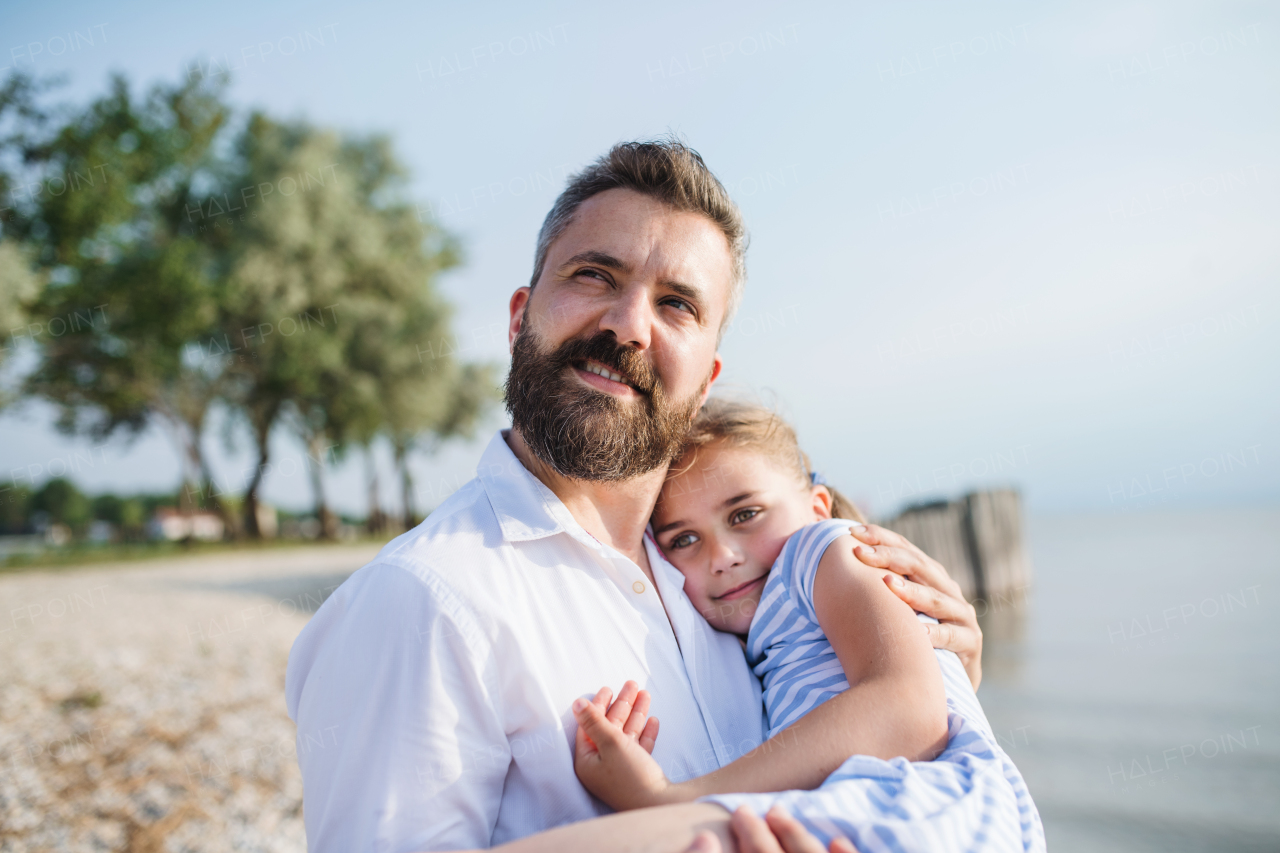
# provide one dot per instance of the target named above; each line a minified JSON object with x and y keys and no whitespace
{"x":978,"y":538}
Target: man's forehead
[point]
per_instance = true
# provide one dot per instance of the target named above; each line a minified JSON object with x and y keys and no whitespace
{"x":642,"y":232}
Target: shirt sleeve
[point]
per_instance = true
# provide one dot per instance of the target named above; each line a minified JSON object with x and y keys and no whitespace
{"x":803,"y":552}
{"x":400,"y":739}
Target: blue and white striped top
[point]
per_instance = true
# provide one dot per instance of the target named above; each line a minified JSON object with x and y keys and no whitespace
{"x":970,"y":799}
{"x":789,"y":652}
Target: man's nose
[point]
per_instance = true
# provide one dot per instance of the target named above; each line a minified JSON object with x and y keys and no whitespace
{"x":630,"y":318}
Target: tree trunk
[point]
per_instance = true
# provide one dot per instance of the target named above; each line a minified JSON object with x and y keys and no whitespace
{"x":262,"y":436}
{"x":406,"y":485}
{"x":192,"y":490}
{"x":376,"y":522}
{"x":209,"y":488}
{"x":328,"y":521}
{"x":189,"y":490}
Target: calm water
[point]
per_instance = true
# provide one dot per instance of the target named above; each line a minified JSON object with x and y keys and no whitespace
{"x":1137,"y":686}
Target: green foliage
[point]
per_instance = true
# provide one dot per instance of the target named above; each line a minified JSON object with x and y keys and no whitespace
{"x":173,"y":257}
{"x":15,"y":509}
{"x":19,"y":286}
{"x":64,"y":503}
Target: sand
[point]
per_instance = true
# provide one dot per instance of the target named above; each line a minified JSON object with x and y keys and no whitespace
{"x":142,"y":706}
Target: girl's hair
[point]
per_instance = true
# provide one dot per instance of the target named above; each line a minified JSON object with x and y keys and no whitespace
{"x":737,"y":424}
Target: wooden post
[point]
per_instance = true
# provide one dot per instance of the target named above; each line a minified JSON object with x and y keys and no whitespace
{"x":978,"y":538}
{"x":938,"y":530}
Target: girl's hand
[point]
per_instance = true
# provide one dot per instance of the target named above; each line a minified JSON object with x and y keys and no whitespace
{"x":927,"y":588}
{"x":611,"y":751}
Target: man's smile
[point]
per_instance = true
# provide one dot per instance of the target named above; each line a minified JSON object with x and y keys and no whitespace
{"x":604,"y":378}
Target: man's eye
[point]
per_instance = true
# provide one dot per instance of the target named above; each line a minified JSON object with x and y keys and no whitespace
{"x":679,"y":304}
{"x":743,"y":515}
{"x":684,"y":540}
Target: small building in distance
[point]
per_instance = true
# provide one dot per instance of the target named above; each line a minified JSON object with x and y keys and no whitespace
{"x":174,"y":525}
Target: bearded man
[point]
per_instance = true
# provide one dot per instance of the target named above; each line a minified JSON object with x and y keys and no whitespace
{"x":432,"y":690}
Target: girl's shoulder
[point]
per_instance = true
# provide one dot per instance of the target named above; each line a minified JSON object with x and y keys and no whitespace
{"x":797,"y":564}
{"x":786,"y":603}
{"x":808,"y":544}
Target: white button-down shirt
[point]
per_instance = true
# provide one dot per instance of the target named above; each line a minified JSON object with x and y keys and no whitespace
{"x":432,"y":690}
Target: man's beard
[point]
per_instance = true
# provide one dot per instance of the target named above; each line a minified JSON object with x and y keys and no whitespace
{"x":584,"y":433}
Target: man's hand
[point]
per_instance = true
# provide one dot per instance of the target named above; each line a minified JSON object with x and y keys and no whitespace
{"x":777,"y":833}
{"x":924,"y":584}
{"x":612,"y":750}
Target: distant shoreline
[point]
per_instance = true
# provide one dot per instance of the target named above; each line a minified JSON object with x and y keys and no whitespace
{"x":54,"y":558}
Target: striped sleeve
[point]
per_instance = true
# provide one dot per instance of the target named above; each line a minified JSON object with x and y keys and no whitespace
{"x":803,"y":553}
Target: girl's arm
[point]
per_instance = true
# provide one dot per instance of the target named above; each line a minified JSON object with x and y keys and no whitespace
{"x":895,"y":704}
{"x":687,"y":827}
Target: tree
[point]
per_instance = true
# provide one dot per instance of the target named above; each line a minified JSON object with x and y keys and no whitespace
{"x":346,"y":256}
{"x":274,"y":267}
{"x":134,"y":284}
{"x":64,"y":503}
{"x":19,"y":284}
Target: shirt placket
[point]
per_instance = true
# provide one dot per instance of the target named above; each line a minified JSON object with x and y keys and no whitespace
{"x":634,"y":586}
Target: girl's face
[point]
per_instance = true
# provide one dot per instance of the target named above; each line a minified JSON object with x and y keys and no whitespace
{"x":724,"y":521}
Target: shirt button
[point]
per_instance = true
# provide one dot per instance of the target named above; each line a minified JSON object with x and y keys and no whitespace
{"x":638,"y":586}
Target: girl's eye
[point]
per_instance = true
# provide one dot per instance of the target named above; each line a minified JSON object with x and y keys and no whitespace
{"x":743,"y":515}
{"x":684,"y":540}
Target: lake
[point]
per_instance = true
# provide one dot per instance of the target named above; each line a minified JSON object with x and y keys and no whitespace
{"x":1137,"y":682}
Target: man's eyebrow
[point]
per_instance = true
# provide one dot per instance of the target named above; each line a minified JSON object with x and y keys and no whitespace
{"x":688,"y":291}
{"x":600,"y":259}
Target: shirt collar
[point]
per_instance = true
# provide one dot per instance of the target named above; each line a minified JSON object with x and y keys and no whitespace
{"x":525,"y":507}
{"x":667,"y":575}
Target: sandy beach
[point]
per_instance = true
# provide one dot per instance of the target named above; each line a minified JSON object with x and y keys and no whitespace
{"x":142,"y":707}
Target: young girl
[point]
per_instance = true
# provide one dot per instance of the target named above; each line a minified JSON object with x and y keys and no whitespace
{"x":846,"y":667}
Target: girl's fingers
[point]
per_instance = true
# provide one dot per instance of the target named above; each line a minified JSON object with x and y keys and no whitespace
{"x":842,"y":845}
{"x":598,"y":730}
{"x":620,"y":710}
{"x":639,"y":714}
{"x":649,"y":736}
{"x":584,"y":745}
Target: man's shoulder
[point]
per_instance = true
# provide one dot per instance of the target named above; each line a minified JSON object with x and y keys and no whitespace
{"x":439,"y":559}
{"x":464,"y":525}
{"x":419,"y":577}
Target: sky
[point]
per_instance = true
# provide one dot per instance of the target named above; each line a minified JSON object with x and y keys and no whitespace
{"x":1009,"y":244}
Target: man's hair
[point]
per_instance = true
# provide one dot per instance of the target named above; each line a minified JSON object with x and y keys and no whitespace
{"x":665,"y":169}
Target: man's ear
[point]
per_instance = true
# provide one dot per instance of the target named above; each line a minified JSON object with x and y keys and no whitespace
{"x":716,"y":367}
{"x":822,"y":501}
{"x":519,"y":302}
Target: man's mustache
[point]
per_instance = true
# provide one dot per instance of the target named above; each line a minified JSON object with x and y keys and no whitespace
{"x":604,"y":348}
